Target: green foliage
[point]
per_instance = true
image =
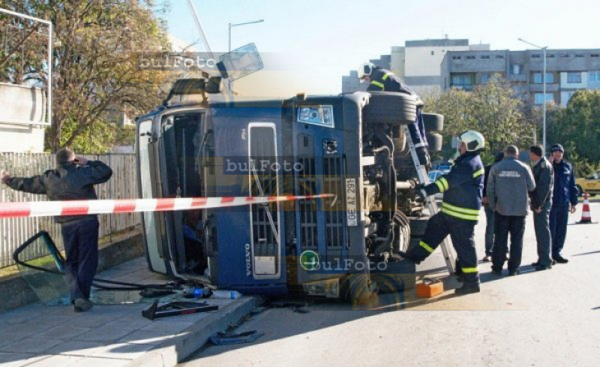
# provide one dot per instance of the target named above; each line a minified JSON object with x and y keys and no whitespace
{"x":492,"y":109}
{"x":577,"y":128}
{"x":94,"y":64}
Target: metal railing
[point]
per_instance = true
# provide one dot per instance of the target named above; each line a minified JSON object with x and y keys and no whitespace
{"x":15,"y":231}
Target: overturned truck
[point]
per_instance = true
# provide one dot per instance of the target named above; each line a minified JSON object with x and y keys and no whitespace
{"x":352,"y":146}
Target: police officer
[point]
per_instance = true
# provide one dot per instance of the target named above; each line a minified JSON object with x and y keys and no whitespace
{"x":462,"y":188}
{"x":564,"y":199}
{"x":382,"y":80}
{"x":73,"y":179}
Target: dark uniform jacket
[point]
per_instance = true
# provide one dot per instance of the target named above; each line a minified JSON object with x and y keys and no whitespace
{"x":462,"y":187}
{"x":565,"y":190}
{"x":384,"y":80}
{"x":67,"y":182}
{"x":544,"y":183}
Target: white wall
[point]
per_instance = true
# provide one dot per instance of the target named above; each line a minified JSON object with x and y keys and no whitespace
{"x":21,"y":104}
{"x":421,"y":62}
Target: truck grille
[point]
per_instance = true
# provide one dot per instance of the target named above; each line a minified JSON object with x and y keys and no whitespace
{"x":307,"y":209}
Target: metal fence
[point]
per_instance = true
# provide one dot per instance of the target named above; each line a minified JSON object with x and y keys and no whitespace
{"x":15,"y":231}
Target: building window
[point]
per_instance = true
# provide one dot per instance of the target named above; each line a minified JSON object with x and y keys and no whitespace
{"x":499,"y":56}
{"x":595,"y":55}
{"x":574,"y":77}
{"x":470,"y":57}
{"x":564,"y":55}
{"x":462,"y":81}
{"x":594,"y":76}
{"x":516,"y":69}
{"x":550,"y":56}
{"x":485,"y":77}
{"x":432,"y":52}
{"x":536,"y":56}
{"x":537,"y":78}
{"x":456,"y":57}
{"x":539,"y":98}
{"x":485,"y":57}
{"x":578,"y":55}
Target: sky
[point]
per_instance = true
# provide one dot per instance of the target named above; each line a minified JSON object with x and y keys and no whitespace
{"x":308,"y":45}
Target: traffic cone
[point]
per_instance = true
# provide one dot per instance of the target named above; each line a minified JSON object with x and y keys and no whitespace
{"x":586,"y":216}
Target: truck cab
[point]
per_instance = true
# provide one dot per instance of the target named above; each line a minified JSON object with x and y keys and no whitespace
{"x":352,"y":146}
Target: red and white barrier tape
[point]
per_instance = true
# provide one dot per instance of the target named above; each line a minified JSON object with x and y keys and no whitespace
{"x":85,"y":207}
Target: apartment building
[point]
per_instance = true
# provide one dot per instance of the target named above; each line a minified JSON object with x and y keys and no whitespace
{"x":567,"y":70}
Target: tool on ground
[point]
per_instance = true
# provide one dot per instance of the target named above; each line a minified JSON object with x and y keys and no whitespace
{"x":586,"y":216}
{"x":430,"y":201}
{"x":223,"y":338}
{"x":430,"y":288}
{"x":176,"y":309}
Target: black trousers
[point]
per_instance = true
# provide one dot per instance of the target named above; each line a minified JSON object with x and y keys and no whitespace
{"x":462,"y":234}
{"x":503,"y":226}
{"x":81,"y":246}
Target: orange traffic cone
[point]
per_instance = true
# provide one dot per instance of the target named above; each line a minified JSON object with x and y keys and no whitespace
{"x":586,"y":216}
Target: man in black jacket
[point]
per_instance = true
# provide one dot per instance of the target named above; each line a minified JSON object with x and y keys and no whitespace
{"x":73,"y":179}
{"x":541,"y":202}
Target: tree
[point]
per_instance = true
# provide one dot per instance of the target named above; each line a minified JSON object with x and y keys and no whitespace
{"x":492,"y":109}
{"x":577,"y":128}
{"x":94,"y":65}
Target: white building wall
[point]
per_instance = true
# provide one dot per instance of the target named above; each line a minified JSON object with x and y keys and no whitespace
{"x":425,"y":61}
{"x":564,"y":84}
{"x":20,"y":106}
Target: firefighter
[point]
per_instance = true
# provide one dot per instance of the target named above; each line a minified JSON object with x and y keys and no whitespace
{"x":462,"y":188}
{"x":382,"y":80}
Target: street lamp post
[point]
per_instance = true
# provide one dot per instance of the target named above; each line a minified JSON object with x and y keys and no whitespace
{"x":239,"y":24}
{"x":544,"y":49}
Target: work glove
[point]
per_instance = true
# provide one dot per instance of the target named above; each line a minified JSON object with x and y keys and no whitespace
{"x":420,"y":191}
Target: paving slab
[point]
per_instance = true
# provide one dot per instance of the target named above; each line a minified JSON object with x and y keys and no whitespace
{"x":37,"y":335}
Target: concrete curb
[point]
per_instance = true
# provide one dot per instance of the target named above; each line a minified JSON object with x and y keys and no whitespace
{"x":181,"y":346}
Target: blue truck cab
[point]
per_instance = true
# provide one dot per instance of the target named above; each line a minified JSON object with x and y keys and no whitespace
{"x":351,"y":146}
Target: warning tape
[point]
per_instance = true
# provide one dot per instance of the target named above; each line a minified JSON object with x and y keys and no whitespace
{"x":86,"y":207}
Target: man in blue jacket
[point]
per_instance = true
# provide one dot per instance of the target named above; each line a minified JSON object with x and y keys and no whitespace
{"x":73,"y":179}
{"x":564,"y":200}
{"x":462,"y":188}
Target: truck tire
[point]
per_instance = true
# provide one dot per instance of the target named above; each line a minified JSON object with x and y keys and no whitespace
{"x":391,"y":108}
{"x":435,"y":142}
{"x":434,"y":122}
{"x":418,"y":226}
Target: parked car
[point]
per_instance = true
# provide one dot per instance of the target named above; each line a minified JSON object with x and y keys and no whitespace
{"x":590,"y":184}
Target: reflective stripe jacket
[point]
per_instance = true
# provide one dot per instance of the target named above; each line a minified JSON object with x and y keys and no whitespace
{"x":383,"y":80}
{"x":565,"y":190}
{"x":462,"y":187}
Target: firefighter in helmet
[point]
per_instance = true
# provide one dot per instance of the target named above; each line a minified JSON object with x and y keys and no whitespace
{"x":462,"y":189}
{"x":382,"y":80}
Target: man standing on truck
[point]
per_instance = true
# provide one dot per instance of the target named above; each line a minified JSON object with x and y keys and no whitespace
{"x":382,"y":80}
{"x":462,"y":188}
{"x":73,"y":179}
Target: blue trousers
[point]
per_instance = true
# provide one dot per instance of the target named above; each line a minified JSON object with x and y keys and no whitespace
{"x":81,"y":246}
{"x":559,"y":217}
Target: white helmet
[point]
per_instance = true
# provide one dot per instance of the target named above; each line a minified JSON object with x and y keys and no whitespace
{"x":365,"y":70}
{"x":473,"y":140}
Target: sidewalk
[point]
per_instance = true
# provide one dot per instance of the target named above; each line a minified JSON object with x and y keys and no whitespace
{"x":111,"y":335}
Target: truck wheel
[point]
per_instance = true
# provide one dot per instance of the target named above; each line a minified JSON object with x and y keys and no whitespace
{"x":391,"y":108}
{"x":433,"y":122}
{"x":435,"y":142}
{"x":418,"y":226}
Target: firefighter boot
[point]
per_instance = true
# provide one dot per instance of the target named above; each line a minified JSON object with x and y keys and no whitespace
{"x":470,"y":285}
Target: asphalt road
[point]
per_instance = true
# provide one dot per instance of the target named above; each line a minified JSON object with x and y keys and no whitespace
{"x":548,"y":318}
